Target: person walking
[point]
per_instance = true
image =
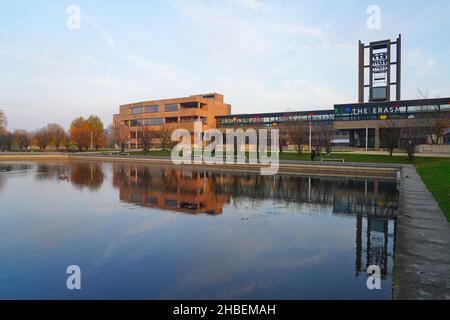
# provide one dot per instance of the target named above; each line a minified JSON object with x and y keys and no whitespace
{"x":313,"y":153}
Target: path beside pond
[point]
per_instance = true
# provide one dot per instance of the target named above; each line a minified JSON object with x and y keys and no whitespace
{"x":422,"y":263}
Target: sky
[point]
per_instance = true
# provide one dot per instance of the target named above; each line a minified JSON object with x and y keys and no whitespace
{"x":263,"y":55}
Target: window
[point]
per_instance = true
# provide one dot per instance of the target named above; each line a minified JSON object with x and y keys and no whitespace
{"x":172,"y":120}
{"x":153,"y":121}
{"x":188,"y":119}
{"x":147,"y":122}
{"x":152,"y":109}
{"x":171,"y":107}
{"x":171,"y":202}
{"x":137,"y":110}
{"x":445,"y":107}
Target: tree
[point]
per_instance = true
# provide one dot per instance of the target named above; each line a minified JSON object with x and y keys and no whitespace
{"x":120,"y":134}
{"x":98,"y":132}
{"x":22,"y":138}
{"x":392,"y":134}
{"x":3,"y":122}
{"x":325,"y":133}
{"x":146,"y":136}
{"x":298,"y":133}
{"x":165,"y":137}
{"x":6,"y":140}
{"x":80,"y":133}
{"x":42,"y":138}
{"x":433,"y":120}
{"x":109,"y":135}
{"x":410,"y":138}
{"x":57,"y":135}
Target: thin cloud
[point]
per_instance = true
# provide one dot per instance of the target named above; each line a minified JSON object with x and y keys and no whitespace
{"x":253,"y":5}
{"x":296,"y":30}
{"x":105,"y":35}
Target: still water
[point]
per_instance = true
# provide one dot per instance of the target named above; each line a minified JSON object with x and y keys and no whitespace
{"x":151,"y":232}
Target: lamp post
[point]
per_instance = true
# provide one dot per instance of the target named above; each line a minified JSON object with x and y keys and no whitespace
{"x":367,"y":137}
{"x":310,"y":136}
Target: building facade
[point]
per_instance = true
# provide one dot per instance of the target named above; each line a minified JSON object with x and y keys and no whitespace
{"x":360,"y":125}
{"x":170,"y":114}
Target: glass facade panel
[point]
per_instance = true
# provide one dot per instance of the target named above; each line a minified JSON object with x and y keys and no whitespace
{"x":137,"y":110}
{"x":445,"y":107}
{"x":151,"y":109}
{"x":147,"y":122}
{"x":171,"y":107}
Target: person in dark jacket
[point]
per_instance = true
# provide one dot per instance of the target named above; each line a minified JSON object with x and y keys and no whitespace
{"x":313,"y":154}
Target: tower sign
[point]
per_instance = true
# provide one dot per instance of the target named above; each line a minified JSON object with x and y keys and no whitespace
{"x":380,"y":70}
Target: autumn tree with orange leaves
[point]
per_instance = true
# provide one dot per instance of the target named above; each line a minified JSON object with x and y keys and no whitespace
{"x":80,"y":133}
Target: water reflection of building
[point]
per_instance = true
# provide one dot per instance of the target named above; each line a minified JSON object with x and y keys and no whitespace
{"x":373,"y":203}
{"x":166,"y":188}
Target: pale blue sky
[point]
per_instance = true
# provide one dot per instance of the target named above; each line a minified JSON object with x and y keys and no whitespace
{"x":262,"y":55}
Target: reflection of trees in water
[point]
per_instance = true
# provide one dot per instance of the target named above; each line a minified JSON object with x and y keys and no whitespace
{"x":346,"y":196}
{"x":7,"y":168}
{"x":2,"y":181}
{"x":88,"y":175}
{"x":50,"y":171}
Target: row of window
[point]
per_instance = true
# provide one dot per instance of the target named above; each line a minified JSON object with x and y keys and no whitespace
{"x":414,"y":112}
{"x":159,"y":121}
{"x":154,"y":108}
{"x":284,"y":118}
{"x":147,"y":122}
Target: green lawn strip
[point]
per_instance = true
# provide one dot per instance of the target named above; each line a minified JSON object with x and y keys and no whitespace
{"x":436,"y":177}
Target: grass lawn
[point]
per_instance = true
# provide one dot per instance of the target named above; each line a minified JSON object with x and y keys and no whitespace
{"x":436,"y":176}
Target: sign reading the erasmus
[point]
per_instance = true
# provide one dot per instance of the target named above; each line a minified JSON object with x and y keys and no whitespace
{"x":365,"y":110}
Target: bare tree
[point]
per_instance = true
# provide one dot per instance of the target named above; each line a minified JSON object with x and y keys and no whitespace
{"x":6,"y":140}
{"x":146,"y":136}
{"x":325,"y":133}
{"x":22,"y":138}
{"x":109,"y":134}
{"x":298,"y":134}
{"x":409,"y":140}
{"x":42,"y":138}
{"x":3,"y":122}
{"x":165,"y":138}
{"x":120,"y":134}
{"x":392,"y":132}
{"x":433,"y":120}
{"x":57,"y":135}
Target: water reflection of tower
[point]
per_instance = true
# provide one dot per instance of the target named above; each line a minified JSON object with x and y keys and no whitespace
{"x":375,"y":244}
{"x":374,"y":205}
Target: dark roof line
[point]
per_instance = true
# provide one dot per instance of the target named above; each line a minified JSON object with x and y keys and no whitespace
{"x":416,"y":102}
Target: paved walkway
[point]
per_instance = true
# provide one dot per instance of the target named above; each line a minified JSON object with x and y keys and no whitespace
{"x":422,"y":267}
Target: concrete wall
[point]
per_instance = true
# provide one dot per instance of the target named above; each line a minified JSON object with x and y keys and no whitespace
{"x":433,"y":148}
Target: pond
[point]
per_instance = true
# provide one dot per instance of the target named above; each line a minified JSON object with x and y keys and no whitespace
{"x":162,"y":232}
